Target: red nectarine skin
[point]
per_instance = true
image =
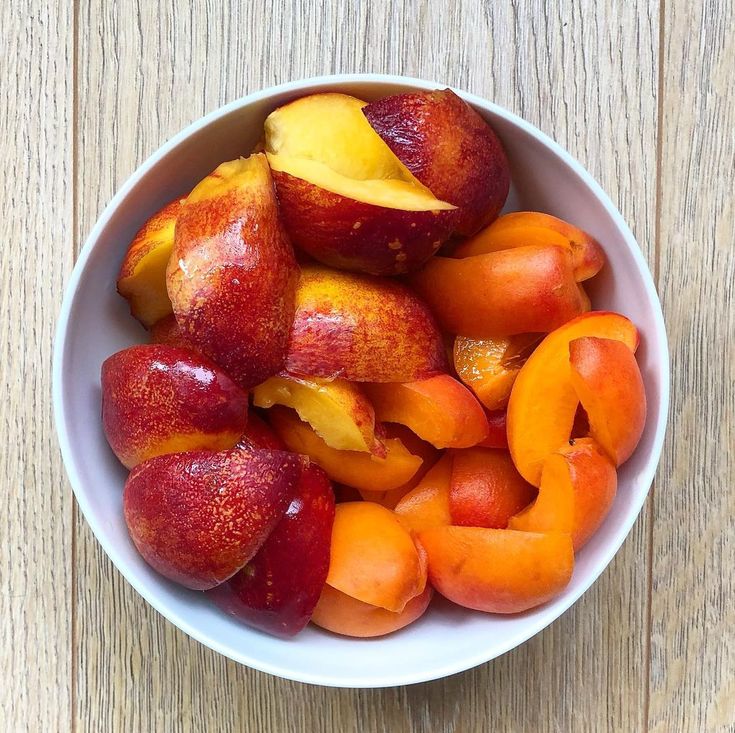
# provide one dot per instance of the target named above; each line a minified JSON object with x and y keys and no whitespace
{"x":362,"y":328}
{"x":232,"y":273}
{"x":278,"y":589}
{"x":341,"y":614}
{"x":522,"y":290}
{"x":259,"y":434}
{"x":486,"y":489}
{"x":352,"y":235}
{"x":199,"y":517}
{"x":497,"y":570}
{"x":167,"y":331}
{"x":160,"y":399}
{"x":449,"y":148}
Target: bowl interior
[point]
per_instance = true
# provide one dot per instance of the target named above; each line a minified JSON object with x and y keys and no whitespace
{"x":95,"y":323}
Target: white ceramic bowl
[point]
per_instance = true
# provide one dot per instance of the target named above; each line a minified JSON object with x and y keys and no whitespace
{"x":95,"y":322}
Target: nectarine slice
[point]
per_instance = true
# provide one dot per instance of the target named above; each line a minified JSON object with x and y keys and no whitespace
{"x":543,"y":402}
{"x":374,"y":558}
{"x":362,"y":328}
{"x":258,"y":434}
{"x":439,"y":409}
{"x":608,"y":382}
{"x":167,"y":331}
{"x":338,"y":410}
{"x":528,"y":228}
{"x":497,"y":570}
{"x":142,"y":278}
{"x":521,"y":290}
{"x":427,"y":505}
{"x":341,"y":614}
{"x":356,"y":469}
{"x":486,"y":489}
{"x":578,"y":485}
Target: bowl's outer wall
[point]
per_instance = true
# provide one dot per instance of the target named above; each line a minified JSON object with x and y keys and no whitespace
{"x":95,"y":323}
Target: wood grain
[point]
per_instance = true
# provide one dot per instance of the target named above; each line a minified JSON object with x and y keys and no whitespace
{"x":36,"y":588}
{"x":693,"y":610}
{"x":90,"y":89}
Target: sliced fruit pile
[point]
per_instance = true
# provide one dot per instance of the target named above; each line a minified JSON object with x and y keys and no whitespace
{"x":345,"y":315}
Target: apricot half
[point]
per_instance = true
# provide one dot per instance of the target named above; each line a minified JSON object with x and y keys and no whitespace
{"x":543,"y":402}
{"x":497,"y":570}
{"x":427,"y":505}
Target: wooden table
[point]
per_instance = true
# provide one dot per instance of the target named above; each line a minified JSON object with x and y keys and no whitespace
{"x":639,"y":91}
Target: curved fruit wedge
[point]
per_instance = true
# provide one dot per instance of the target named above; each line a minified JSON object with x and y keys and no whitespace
{"x":522,"y":290}
{"x":608,"y":382}
{"x":341,"y":614}
{"x":427,"y":505}
{"x":362,"y":328}
{"x":490,"y":366}
{"x":359,"y":470}
{"x":199,"y":517}
{"x":232,"y":273}
{"x":374,"y":558}
{"x":160,"y":399}
{"x":338,"y":410}
{"x":142,"y":278}
{"x":578,"y":485}
{"x":486,"y":489}
{"x":279,"y":588}
{"x":440,"y":410}
{"x":529,"y":228}
{"x":497,"y":570}
{"x":543,"y":402}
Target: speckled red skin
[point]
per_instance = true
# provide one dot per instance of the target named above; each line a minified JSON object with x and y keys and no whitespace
{"x":199,"y":517}
{"x":352,"y":235}
{"x":497,"y":437}
{"x":449,"y":148}
{"x":258,"y":434}
{"x":236,"y":303}
{"x":362,"y":328}
{"x":279,"y":588}
{"x":160,"y":399}
{"x":167,"y":331}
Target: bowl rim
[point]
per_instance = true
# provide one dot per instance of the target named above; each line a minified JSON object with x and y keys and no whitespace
{"x":60,"y":407}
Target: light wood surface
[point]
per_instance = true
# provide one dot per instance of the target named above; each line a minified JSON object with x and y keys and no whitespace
{"x":640,"y":92}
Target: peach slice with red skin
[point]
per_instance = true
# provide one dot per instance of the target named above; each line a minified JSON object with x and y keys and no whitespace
{"x":362,"y":328}
{"x":608,"y":382}
{"x":521,"y":290}
{"x":449,"y":148}
{"x":232,"y":273}
{"x":142,"y":278}
{"x":338,"y":410}
{"x":373,"y":557}
{"x":160,"y":399}
{"x":497,"y":570}
{"x":529,"y":228}
{"x":486,"y":489}
{"x":578,"y":485}
{"x":280,"y":586}
{"x":167,"y":331}
{"x":427,"y":505}
{"x":357,"y":469}
{"x":360,"y":211}
{"x":543,"y":403}
{"x":439,"y":409}
{"x":341,"y":614}
{"x":199,"y":517}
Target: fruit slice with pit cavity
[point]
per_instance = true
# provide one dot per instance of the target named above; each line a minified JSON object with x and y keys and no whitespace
{"x":353,"y":468}
{"x":486,"y":489}
{"x":521,"y":290}
{"x":142,"y":278}
{"x":427,"y":505}
{"x":578,"y":486}
{"x":374,"y":558}
{"x":543,"y":402}
{"x":497,"y":570}
{"x":337,"y":409}
{"x":341,"y":614}
{"x":529,"y":228}
{"x":608,"y":382}
{"x":439,"y":409}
